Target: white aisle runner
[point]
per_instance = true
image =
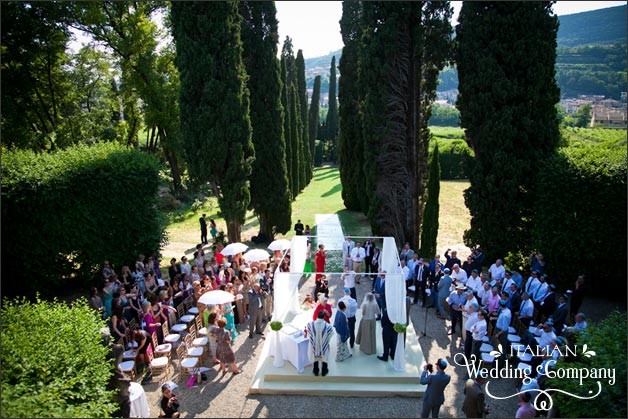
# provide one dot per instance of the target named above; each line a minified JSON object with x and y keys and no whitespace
{"x":329,"y":231}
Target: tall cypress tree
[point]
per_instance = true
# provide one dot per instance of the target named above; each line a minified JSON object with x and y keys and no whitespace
{"x":404,"y":46}
{"x":270,"y":194}
{"x":350,"y":141}
{"x":429,"y":230}
{"x":295,"y":129}
{"x":505,"y":56}
{"x":314,"y":114}
{"x":285,"y":103}
{"x":305,"y":132}
{"x":214,"y":103}
{"x":332,"y":114}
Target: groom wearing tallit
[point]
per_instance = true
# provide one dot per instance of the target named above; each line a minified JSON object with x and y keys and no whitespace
{"x":319,"y":332}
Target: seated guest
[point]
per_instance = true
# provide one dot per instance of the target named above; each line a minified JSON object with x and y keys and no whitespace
{"x":581,"y":323}
{"x":546,"y":334}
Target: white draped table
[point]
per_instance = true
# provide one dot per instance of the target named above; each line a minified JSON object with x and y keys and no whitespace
{"x":295,"y":350}
{"x":139,"y":404}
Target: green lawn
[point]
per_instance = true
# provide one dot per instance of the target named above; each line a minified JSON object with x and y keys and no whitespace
{"x":322,"y":196}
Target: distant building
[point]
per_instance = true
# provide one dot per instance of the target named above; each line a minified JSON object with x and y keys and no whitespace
{"x":450,"y":96}
{"x":604,"y":117}
{"x":572,"y":105}
{"x":611,"y":103}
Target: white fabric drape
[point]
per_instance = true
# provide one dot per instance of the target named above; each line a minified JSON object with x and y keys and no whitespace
{"x":286,"y":284}
{"x":395,"y":296}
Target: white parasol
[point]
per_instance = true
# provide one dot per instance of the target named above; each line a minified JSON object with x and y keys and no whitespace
{"x":234,"y":249}
{"x":256,"y":255}
{"x":216,"y":297}
{"x":280,"y":244}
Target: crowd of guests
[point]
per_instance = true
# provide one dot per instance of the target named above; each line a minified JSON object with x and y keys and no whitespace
{"x":491,"y":301}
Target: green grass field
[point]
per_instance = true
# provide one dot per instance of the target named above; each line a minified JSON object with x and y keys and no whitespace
{"x":321,"y":196}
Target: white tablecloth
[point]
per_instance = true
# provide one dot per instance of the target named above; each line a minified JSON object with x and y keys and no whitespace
{"x":139,"y":404}
{"x":295,"y":349}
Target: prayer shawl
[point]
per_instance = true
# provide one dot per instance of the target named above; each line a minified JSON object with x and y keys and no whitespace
{"x":319,"y":333}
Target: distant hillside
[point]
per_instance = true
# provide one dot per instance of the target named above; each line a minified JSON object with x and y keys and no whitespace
{"x":591,"y":56}
{"x":603,"y":26}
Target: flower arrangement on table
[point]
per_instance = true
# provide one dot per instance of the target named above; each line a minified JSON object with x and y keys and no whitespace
{"x":276,"y":326}
{"x":400,"y":328}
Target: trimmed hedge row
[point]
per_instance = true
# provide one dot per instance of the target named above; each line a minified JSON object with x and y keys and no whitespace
{"x":580,"y":214}
{"x":456,"y":158}
{"x":64,"y":213}
{"x":54,"y":363}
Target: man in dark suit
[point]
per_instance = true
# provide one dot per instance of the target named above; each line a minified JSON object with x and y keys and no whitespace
{"x":473,"y":405}
{"x":369,"y":249}
{"x":256,"y":309}
{"x":298,"y":228}
{"x":548,"y":304}
{"x":560,"y":315}
{"x":421,"y":275}
{"x":375,"y":262}
{"x":389,"y":338}
{"x":434,"y":279}
{"x":434,"y":395}
{"x":203,"y":223}
{"x":379,"y":290}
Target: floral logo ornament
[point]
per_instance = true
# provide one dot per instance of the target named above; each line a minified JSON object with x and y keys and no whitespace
{"x":499,"y":352}
{"x":586,"y":352}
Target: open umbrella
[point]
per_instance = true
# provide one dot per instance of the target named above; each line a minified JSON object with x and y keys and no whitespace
{"x":216,"y":297}
{"x":280,"y":244}
{"x":234,"y":249}
{"x":256,"y":255}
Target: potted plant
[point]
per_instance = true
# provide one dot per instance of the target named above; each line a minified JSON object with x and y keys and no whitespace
{"x":276,"y":327}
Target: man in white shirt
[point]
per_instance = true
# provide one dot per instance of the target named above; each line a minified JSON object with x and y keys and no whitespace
{"x":357,"y":257}
{"x":478,"y":331}
{"x":352,"y":307}
{"x":186,"y":268}
{"x":526,"y":309}
{"x":459,"y":274}
{"x":547,"y":334}
{"x":542,"y":290}
{"x":471,"y":318}
{"x":474,"y":283}
{"x":507,"y":282}
{"x":411,"y":264}
{"x":471,"y":300}
{"x":405,"y":274}
{"x":348,"y":278}
{"x":532,"y":284}
{"x":347,"y":246}
{"x":497,"y":270}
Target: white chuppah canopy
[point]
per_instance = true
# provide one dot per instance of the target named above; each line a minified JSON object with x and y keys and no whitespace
{"x":286,"y":288}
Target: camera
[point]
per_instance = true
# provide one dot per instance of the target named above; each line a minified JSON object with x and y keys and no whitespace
{"x":430,"y":368}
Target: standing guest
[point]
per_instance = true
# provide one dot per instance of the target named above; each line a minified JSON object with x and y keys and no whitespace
{"x":173,"y":269}
{"x":497,"y":271}
{"x":143,"y":339}
{"x":406,"y":253}
{"x":375,"y":262}
{"x":227,"y":313}
{"x":203,"y":223}
{"x":210,"y":316}
{"x":319,"y":261}
{"x":341,"y":324}
{"x":526,"y":310}
{"x":321,"y":287}
{"x":516,"y":276}
{"x":347,"y":247}
{"x":319,"y":333}
{"x":369,"y":249}
{"x":483,"y":295}
{"x":434,"y":395}
{"x":117,"y":322}
{"x":581,"y":323}
{"x":538,"y":263}
{"x":532,"y":285}
{"x":157,"y":265}
{"x":547,"y":306}
{"x":421,"y":275}
{"x":560,"y":315}
{"x":467,"y":265}
{"x":185,"y":266}
{"x":474,"y":283}
{"x":474,"y":405}
{"x":348,"y":278}
{"x":256,"y":309}
{"x":478,"y":331}
{"x":307,"y":230}
{"x":224,"y":353}
{"x":525,"y":410}
{"x":108,"y":291}
{"x":507,"y":282}
{"x":541,"y":291}
{"x":435,"y":276}
{"x":107,"y":270}
{"x":452,"y":260}
{"x":266,"y":284}
{"x":493,"y":302}
{"x":466,"y":312}
{"x":472,"y":319}
{"x":577,"y":295}
{"x":357,"y":258}
{"x":169,"y":402}
{"x":478,"y":258}
{"x":389,"y":337}
{"x":95,"y":302}
{"x":379,"y":291}
{"x":324,"y":307}
{"x":407,"y":274}
{"x":502,"y":325}
{"x":443,"y":292}
{"x":298,"y":228}
{"x":213,"y":230}
{"x":126,"y":276}
{"x":366,"y":332}
{"x":435,"y":262}
{"x":459,"y":275}
{"x":352,"y":307}
{"x":456,"y":302}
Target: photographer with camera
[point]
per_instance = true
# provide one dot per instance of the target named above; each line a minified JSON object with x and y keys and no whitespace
{"x":169,"y":402}
{"x":434,"y":395}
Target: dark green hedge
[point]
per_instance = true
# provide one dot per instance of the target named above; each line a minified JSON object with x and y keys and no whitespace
{"x":456,"y":159}
{"x":580,"y":217}
{"x":64,"y":213}
{"x":53,"y":361}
